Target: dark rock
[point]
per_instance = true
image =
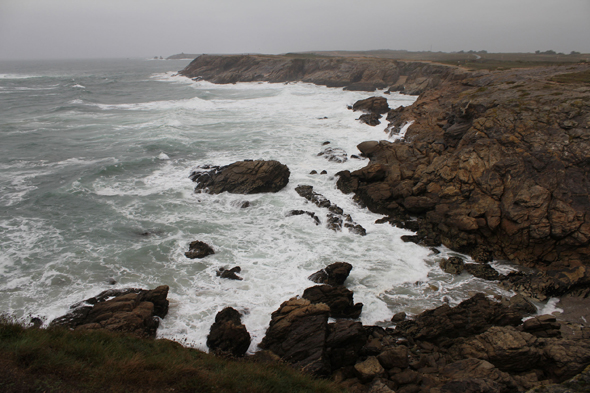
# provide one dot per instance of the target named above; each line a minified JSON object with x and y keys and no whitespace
{"x":324,"y":172}
{"x":394,"y":357}
{"x":371,"y":119}
{"x":230,"y":273}
{"x":398,"y":317}
{"x":412,"y":239}
{"x":243,"y":177}
{"x":334,"y":222}
{"x":452,"y":265}
{"x":470,"y":317}
{"x":297,"y":333}
{"x":325,"y":143}
{"x":129,"y":310}
{"x":300,"y":212}
{"x":482,"y":270}
{"x":334,"y":274}
{"x":542,"y":326}
{"x":334,"y":154}
{"x":307,"y":192}
{"x":520,"y":304}
{"x":344,"y":342}
{"x":228,"y":334}
{"x":369,"y":369}
{"x":356,"y":229}
{"x":376,"y":105}
{"x":338,"y":298}
{"x":198,"y":249}
{"x":313,"y":172}
{"x":244,"y":204}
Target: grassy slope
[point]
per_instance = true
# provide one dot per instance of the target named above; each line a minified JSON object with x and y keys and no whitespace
{"x":39,"y":360}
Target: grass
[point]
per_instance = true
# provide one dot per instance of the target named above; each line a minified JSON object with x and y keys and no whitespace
{"x":574,"y":77}
{"x":57,"y":360}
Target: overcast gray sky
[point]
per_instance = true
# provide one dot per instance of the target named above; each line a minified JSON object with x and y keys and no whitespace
{"x":34,"y":29}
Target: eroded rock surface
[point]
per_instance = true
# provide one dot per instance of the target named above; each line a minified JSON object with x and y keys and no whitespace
{"x":242,"y":177}
{"x":496,"y":164}
{"x":129,"y":310}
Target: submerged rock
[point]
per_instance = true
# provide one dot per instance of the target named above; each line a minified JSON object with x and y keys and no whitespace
{"x":230,"y":273}
{"x":334,"y":154}
{"x":243,"y":177}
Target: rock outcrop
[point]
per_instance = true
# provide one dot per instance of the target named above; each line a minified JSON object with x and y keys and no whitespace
{"x":297,"y":333}
{"x":334,"y":274}
{"x":228,"y":334}
{"x":129,"y":310}
{"x":361,"y":73}
{"x":495,"y":165}
{"x":198,"y":249}
{"x":242,"y":177}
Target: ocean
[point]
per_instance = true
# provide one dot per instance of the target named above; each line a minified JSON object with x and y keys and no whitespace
{"x":95,"y":158}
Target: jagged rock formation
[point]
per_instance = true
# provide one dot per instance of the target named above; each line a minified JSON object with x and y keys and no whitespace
{"x":228,"y":334}
{"x":496,"y":165}
{"x":242,"y":177}
{"x":130,"y":310}
{"x":352,"y":73}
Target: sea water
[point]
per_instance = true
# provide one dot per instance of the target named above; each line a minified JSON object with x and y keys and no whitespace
{"x":94,"y":194}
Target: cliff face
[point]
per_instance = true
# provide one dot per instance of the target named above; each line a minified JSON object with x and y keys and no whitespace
{"x":497,"y":165}
{"x":352,"y":73}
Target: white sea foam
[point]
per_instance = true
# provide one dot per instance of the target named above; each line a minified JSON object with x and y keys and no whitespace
{"x":131,"y":216}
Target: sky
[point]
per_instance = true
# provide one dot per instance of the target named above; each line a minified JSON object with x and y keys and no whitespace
{"x":44,"y":29}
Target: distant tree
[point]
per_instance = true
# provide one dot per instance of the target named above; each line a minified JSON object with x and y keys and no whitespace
{"x":483,"y":51}
{"x":574,"y":53}
{"x":537,"y":52}
{"x":549,"y":52}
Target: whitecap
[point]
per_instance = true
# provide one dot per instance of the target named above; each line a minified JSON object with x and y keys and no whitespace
{"x":163,"y":156}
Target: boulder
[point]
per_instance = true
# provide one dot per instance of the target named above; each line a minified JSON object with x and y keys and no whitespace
{"x":338,"y":298}
{"x":243,"y":177}
{"x":520,"y":304}
{"x":452,"y":265}
{"x":482,"y":270}
{"x":369,"y":369}
{"x":396,"y":357}
{"x":334,"y":274}
{"x":228,"y":334}
{"x":130,"y":310}
{"x":198,"y":249}
{"x":376,"y":105}
{"x":297,"y":333}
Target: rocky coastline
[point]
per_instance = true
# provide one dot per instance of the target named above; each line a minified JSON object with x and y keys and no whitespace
{"x":494,"y":165}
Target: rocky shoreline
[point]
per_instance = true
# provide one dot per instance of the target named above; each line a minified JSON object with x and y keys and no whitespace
{"x":494,"y":165}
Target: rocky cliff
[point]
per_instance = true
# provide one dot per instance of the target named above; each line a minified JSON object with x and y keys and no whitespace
{"x":360,"y":73}
{"x":496,"y":165}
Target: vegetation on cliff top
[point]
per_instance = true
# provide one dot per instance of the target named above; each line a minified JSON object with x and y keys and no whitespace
{"x":59,"y":360}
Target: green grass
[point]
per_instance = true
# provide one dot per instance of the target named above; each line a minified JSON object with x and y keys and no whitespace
{"x":574,"y":77}
{"x":57,"y":360}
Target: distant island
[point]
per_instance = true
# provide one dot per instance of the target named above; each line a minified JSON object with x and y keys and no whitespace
{"x":182,"y":56}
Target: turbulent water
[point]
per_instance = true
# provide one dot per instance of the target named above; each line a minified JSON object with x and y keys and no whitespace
{"x":94,"y":194}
